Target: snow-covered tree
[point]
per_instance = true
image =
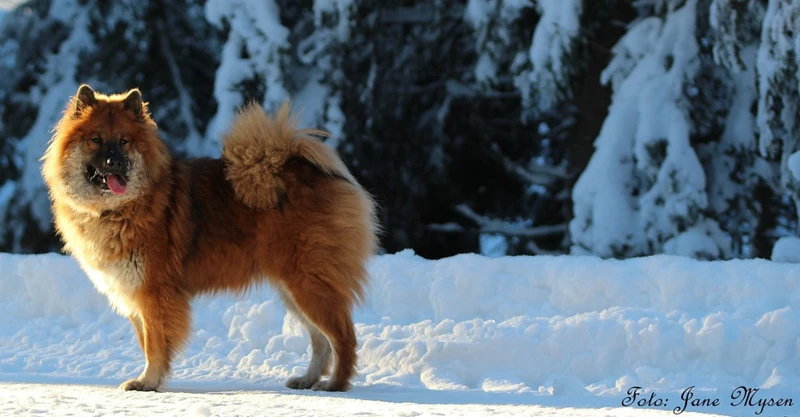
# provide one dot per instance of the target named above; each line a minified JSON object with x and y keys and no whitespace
{"x":323,"y":51}
{"x":644,"y":190}
{"x":497,"y":42}
{"x":735,"y":169}
{"x":723,"y":74}
{"x":251,"y":67}
{"x":529,"y":157}
{"x":778,"y":69}
{"x":552,"y":59}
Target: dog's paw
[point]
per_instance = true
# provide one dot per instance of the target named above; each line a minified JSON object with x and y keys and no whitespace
{"x":330,"y":386}
{"x":299,"y":382}
{"x":137,"y":385}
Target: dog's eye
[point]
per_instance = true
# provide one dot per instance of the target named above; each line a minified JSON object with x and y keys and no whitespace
{"x":97,"y":140}
{"x":123,"y":142}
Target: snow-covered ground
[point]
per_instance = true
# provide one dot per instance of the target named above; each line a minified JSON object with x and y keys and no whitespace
{"x":89,"y":400}
{"x":467,"y":335}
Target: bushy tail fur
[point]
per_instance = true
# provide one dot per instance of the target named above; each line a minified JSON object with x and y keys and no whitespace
{"x":257,"y":146}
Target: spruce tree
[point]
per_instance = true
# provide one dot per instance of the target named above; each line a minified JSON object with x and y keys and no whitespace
{"x":644,"y":190}
{"x":778,"y":105}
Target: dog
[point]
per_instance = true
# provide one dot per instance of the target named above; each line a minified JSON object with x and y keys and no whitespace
{"x":152,"y":231}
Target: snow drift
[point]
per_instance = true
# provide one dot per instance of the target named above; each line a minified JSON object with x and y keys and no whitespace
{"x":523,"y":327}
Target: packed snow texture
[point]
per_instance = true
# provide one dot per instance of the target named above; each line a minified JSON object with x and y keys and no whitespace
{"x":89,"y":400}
{"x":519,"y":330}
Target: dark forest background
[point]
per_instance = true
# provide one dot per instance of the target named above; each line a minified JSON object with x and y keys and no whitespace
{"x":614,"y":128}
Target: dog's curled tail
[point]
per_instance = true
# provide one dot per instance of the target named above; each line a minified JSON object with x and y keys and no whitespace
{"x":257,"y":146}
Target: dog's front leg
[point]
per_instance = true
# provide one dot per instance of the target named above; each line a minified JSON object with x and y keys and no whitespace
{"x":165,"y":320}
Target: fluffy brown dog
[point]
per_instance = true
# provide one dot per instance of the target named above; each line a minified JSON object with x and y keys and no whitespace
{"x":152,"y":232}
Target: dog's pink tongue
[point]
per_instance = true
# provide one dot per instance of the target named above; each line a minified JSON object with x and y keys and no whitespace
{"x":116,"y":184}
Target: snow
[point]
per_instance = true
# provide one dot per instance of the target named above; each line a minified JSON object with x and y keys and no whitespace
{"x":493,"y":244}
{"x":6,"y":5}
{"x":311,"y":100}
{"x":457,"y":335}
{"x":786,"y":249}
{"x":339,"y":8}
{"x":84,"y":400}
{"x":794,"y":165}
{"x":478,"y":12}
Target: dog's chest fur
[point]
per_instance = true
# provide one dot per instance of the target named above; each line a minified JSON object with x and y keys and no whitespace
{"x":115,"y":268}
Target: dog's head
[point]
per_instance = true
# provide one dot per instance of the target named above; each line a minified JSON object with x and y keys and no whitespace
{"x":105,"y":151}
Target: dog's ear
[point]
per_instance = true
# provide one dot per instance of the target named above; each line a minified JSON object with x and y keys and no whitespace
{"x":133,"y":103}
{"x":84,"y":98}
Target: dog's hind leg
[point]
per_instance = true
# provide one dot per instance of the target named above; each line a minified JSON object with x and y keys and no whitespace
{"x":320,"y":349}
{"x":329,"y":312}
{"x":137,"y":326}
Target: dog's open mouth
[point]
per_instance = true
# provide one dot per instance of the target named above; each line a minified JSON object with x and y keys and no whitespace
{"x":115,"y":183}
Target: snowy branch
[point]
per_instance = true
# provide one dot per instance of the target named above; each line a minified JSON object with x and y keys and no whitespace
{"x":446,"y":227}
{"x":536,"y":174}
{"x":534,"y":248}
{"x":488,"y":225}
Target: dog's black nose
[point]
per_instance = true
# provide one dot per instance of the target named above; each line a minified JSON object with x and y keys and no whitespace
{"x":115,"y":164}
{"x":112,"y":163}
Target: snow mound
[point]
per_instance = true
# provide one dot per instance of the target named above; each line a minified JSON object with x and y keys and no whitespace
{"x":786,"y":249}
{"x":522,"y":326}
